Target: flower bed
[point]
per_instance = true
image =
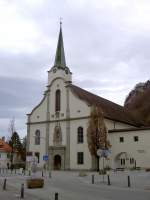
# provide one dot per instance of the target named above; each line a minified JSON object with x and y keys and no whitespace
{"x":35,"y":183}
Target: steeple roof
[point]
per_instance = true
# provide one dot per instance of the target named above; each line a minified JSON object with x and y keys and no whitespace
{"x":60,"y":60}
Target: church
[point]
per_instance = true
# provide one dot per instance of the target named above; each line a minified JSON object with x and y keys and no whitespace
{"x":57,"y":126}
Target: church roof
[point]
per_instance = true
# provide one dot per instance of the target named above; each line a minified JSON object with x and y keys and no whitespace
{"x":4,"y":147}
{"x":110,"y":110}
{"x":129,"y":129}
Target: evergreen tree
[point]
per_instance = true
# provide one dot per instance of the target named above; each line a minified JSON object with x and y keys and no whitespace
{"x":16,"y":145}
{"x":15,"y":142}
{"x":24,"y":143}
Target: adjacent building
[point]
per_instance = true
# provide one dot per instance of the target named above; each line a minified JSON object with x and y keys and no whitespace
{"x":5,"y":153}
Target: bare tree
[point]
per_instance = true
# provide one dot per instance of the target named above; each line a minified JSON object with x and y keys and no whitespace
{"x":97,"y":133}
{"x":11,"y":130}
{"x":11,"y":127}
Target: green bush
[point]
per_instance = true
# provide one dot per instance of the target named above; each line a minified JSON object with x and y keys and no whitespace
{"x":147,"y":169}
{"x":82,"y":173}
{"x":19,"y":165}
{"x":102,"y":171}
{"x":107,"y":168}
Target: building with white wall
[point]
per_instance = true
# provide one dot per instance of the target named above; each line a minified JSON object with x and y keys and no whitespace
{"x":57,"y":126}
{"x":5,"y":153}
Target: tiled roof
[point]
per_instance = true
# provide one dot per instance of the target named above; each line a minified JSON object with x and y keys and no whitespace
{"x":110,"y":110}
{"x":129,"y":129}
{"x":4,"y":147}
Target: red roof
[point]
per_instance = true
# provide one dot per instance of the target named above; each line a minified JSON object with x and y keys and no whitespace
{"x":4,"y":147}
{"x":110,"y":110}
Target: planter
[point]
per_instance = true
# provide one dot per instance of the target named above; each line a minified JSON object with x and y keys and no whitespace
{"x":35,"y":183}
{"x":82,"y":173}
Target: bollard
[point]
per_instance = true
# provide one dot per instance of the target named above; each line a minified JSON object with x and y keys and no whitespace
{"x":4,"y":184}
{"x":42,"y":173}
{"x":29,"y":173}
{"x":56,"y":196}
{"x":108,"y":180}
{"x":129,"y":184}
{"x":22,"y":191}
{"x":92,"y":178}
{"x":50,"y":175}
{"x":15,"y":170}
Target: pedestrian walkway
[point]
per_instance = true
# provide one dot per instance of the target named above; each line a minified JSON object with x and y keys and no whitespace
{"x":71,"y":186}
{"x":13,"y":193}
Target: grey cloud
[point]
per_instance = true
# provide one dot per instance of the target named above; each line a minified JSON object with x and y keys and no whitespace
{"x":17,"y":95}
{"x":103,"y":50}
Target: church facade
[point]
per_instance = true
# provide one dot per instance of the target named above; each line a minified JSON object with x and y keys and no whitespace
{"x":57,"y":126}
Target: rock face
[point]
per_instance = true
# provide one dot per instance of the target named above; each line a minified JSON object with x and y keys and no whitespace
{"x":138,"y":102}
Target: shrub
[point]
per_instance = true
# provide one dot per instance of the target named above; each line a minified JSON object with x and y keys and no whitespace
{"x":147,"y":169}
{"x":102,"y":171}
{"x":35,"y":183}
{"x":19,"y":165}
{"x":82,"y":173}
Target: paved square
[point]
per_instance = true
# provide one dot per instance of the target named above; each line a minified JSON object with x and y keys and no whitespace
{"x":72,"y":187}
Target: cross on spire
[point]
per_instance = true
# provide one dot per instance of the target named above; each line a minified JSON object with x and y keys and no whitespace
{"x":61,"y":21}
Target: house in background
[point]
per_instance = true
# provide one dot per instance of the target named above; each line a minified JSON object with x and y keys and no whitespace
{"x":5,"y":153}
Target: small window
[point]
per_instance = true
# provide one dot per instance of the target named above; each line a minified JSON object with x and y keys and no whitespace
{"x":8,"y":155}
{"x":121,"y":139}
{"x":37,"y":137}
{"x":136,"y":138}
{"x":29,"y":153}
{"x":122,"y":161}
{"x":131,"y":160}
{"x":80,"y":158}
{"x":80,"y":135}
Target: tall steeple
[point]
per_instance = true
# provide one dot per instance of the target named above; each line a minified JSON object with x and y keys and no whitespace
{"x":60,"y":60}
{"x":60,"y":70}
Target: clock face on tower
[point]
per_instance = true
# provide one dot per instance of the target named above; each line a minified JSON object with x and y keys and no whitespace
{"x":54,"y":70}
{"x":66,"y":70}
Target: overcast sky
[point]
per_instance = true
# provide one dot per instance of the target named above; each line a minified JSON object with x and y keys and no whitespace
{"x":107,"y":46}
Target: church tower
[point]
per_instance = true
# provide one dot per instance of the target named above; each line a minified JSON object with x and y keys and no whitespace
{"x":60,"y":69}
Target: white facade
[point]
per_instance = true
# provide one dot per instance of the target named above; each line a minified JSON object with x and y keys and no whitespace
{"x":53,"y":130}
{"x":4,"y":159}
{"x":134,"y":149}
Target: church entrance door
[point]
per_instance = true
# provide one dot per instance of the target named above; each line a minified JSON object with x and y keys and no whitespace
{"x":57,"y":162}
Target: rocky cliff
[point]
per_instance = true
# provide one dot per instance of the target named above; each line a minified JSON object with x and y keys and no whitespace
{"x":138,"y":102}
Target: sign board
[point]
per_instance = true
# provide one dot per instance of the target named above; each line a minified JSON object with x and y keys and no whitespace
{"x":99,"y":152}
{"x":45,"y":157}
{"x":103,"y":152}
{"x":29,"y":158}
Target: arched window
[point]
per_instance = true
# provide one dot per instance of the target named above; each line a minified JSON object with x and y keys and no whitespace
{"x":80,"y":135}
{"x":37,"y":137}
{"x":57,"y":100}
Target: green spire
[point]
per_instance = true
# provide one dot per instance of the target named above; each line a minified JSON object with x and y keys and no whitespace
{"x":60,"y":60}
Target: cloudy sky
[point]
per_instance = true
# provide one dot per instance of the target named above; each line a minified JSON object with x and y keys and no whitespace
{"x":107,"y":46}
